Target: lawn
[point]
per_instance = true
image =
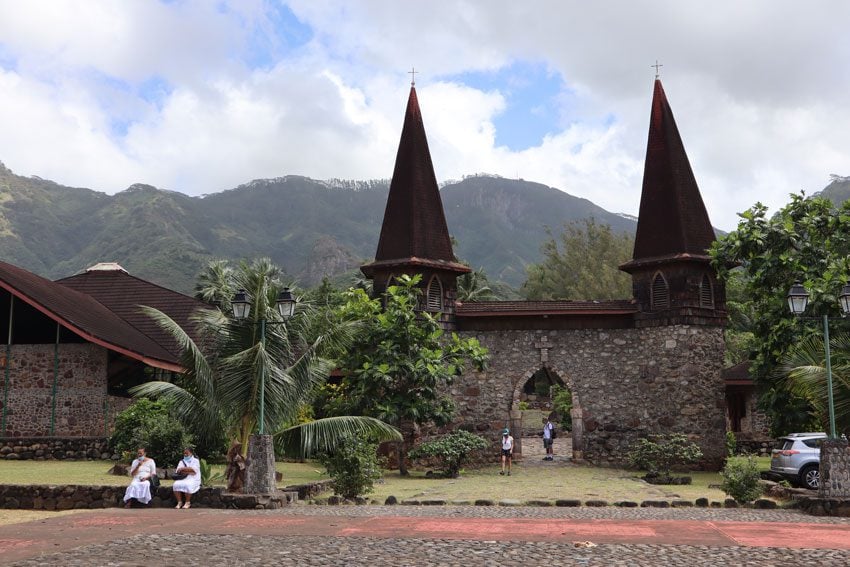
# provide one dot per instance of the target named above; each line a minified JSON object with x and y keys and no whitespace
{"x":538,"y":482}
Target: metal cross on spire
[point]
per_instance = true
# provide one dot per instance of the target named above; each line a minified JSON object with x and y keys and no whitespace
{"x":657,"y":68}
{"x":412,"y":73}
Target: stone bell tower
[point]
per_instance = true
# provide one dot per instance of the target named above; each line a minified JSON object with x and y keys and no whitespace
{"x":414,"y":235}
{"x":672,"y":279}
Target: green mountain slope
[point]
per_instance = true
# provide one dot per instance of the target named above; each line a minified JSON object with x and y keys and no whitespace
{"x":838,"y":189}
{"x":312,"y":228}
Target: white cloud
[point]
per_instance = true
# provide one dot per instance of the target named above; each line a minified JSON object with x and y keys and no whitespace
{"x":758,"y":90}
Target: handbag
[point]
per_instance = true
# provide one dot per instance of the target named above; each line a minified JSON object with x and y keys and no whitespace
{"x":154,"y":481}
{"x":178,"y":476}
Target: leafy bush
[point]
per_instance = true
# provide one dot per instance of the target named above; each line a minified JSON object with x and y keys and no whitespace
{"x":741,"y":479}
{"x":150,"y":424}
{"x":208,"y":478}
{"x":663,"y":452}
{"x":731,"y":444}
{"x":353,"y":466}
{"x":523,"y":406}
{"x":562,"y":403}
{"x":451,"y":450}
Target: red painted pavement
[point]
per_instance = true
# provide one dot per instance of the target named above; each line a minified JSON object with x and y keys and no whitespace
{"x":20,"y":541}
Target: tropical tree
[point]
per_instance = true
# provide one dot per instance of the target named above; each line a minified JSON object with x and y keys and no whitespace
{"x":474,"y":287}
{"x":582,"y":263}
{"x":807,"y":240}
{"x":804,"y":365}
{"x":401,"y":363}
{"x":224,"y":371}
{"x":215,"y":284}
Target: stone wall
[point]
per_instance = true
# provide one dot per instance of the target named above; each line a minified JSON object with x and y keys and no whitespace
{"x":80,"y":405}
{"x":72,"y":497}
{"x":80,"y":448}
{"x":834,"y":469}
{"x":628,"y":383}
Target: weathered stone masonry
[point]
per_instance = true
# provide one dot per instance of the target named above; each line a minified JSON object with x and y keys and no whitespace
{"x":628,"y":382}
{"x":81,"y":401}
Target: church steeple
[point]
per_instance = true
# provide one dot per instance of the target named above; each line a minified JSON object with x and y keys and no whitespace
{"x":671,"y":275}
{"x":414,"y":235}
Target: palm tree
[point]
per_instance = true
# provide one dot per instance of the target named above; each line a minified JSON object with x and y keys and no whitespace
{"x":474,"y":286}
{"x":224,"y":370}
{"x":215,"y":284}
{"x":805,"y":368}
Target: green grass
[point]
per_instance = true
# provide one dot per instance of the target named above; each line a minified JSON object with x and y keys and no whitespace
{"x":95,"y":473}
{"x":527,"y":482}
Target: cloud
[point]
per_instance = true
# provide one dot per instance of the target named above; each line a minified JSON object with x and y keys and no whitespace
{"x":199,"y":96}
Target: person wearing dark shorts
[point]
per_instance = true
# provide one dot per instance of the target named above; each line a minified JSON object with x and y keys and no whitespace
{"x":507,"y":450}
{"x":548,"y":439}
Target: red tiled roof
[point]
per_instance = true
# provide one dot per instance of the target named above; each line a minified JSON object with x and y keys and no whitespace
{"x":554,"y":307}
{"x":84,"y":316}
{"x":122,"y":294}
{"x":672,"y":218}
{"x":414,"y":222}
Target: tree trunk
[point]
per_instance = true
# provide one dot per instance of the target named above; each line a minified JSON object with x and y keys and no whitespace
{"x":260,"y":471}
{"x":402,"y":457}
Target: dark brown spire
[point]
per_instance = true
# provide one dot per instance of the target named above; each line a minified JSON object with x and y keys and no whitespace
{"x":672,"y":219}
{"x":414,"y":230}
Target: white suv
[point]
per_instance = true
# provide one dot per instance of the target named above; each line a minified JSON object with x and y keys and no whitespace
{"x":797,"y":458}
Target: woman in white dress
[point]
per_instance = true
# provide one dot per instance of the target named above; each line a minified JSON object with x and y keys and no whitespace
{"x":191,"y":467}
{"x":142,"y":469}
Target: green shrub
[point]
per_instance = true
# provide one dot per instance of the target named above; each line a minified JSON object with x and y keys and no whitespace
{"x":207,"y":476}
{"x":150,"y":424}
{"x":562,"y":403}
{"x":450,"y":450}
{"x":353,"y":466}
{"x":661,"y":453}
{"x":523,"y":406}
{"x":731,"y":444}
{"x":741,"y":479}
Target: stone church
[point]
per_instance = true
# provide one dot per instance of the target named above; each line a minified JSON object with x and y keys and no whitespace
{"x":637,"y":366}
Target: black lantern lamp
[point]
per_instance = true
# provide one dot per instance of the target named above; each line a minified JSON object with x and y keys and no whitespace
{"x":844,"y":299}
{"x":240,"y":304}
{"x":798,"y":298}
{"x":286,"y":303}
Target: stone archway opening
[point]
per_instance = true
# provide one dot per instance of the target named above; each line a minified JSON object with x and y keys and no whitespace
{"x":542,"y":393}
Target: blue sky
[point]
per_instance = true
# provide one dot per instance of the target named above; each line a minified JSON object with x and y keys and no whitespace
{"x":203,"y":95}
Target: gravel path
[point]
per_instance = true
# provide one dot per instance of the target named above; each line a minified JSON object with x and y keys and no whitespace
{"x":203,"y":550}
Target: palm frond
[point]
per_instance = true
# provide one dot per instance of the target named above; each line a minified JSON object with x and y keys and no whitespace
{"x":307,"y":439}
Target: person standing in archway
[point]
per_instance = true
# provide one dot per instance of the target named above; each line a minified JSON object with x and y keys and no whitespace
{"x":548,"y":439}
{"x":507,"y":450}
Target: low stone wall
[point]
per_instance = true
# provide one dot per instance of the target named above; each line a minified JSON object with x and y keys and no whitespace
{"x":72,"y":497}
{"x":758,"y":447}
{"x":48,"y":448}
{"x":835,"y":469}
{"x":824,"y":507}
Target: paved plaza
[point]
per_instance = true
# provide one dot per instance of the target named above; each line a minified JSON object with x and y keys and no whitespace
{"x":420,"y":536}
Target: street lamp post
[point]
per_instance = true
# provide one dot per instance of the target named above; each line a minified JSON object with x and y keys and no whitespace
{"x":241,"y":310}
{"x":798,"y":299}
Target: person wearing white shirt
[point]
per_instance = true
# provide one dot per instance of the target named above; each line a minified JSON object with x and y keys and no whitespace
{"x":142,"y":469}
{"x":186,"y":487}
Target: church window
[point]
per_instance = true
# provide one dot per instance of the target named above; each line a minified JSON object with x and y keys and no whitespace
{"x":706,"y":293}
{"x":434,"y":295}
{"x":660,"y":298}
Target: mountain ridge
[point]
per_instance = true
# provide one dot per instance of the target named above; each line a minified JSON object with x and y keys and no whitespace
{"x":313,"y":228}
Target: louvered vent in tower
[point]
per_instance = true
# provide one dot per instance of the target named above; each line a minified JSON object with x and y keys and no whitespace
{"x":434,"y":295}
{"x":706,"y":293}
{"x":660,"y":293}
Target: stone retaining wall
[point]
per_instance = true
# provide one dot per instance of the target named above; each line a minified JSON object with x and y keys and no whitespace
{"x":43,"y":449}
{"x":72,"y":497}
{"x":835,"y":469}
{"x":759,"y":447}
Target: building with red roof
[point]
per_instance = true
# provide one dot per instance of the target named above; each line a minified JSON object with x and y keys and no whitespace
{"x":73,"y":347}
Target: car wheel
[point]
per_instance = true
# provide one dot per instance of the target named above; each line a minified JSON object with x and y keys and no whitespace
{"x":810,"y":477}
